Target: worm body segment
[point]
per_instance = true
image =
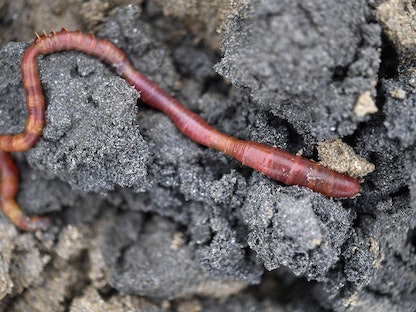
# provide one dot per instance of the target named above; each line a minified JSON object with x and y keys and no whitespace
{"x":273,"y":162}
{"x":8,"y":190}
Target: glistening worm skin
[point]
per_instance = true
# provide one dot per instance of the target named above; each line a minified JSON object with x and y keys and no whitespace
{"x":8,"y":189}
{"x":273,"y":162}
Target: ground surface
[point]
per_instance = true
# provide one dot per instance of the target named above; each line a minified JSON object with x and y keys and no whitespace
{"x":146,"y":220}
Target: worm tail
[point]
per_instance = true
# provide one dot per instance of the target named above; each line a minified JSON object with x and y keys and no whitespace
{"x":8,"y":189}
{"x":295,"y":170}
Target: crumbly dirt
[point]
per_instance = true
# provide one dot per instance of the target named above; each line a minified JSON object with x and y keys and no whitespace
{"x":144,"y":219}
{"x":341,"y":157}
{"x":398,"y":18}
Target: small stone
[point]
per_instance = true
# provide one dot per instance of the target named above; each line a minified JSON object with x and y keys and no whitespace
{"x":365,"y":105}
{"x":398,"y":93}
{"x":340,"y":157}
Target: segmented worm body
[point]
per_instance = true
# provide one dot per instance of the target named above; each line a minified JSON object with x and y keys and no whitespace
{"x":273,"y":162}
{"x":8,"y":189}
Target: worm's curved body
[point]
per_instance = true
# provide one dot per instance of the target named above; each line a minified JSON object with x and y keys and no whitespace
{"x":273,"y":162}
{"x":8,"y":189}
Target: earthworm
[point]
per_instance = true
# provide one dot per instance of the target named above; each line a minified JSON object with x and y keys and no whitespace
{"x":271,"y":161}
{"x":8,"y":189}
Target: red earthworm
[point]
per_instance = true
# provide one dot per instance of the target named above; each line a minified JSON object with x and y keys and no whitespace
{"x":273,"y":162}
{"x":8,"y":189}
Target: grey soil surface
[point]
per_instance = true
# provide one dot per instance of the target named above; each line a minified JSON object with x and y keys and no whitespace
{"x":144,"y":219}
